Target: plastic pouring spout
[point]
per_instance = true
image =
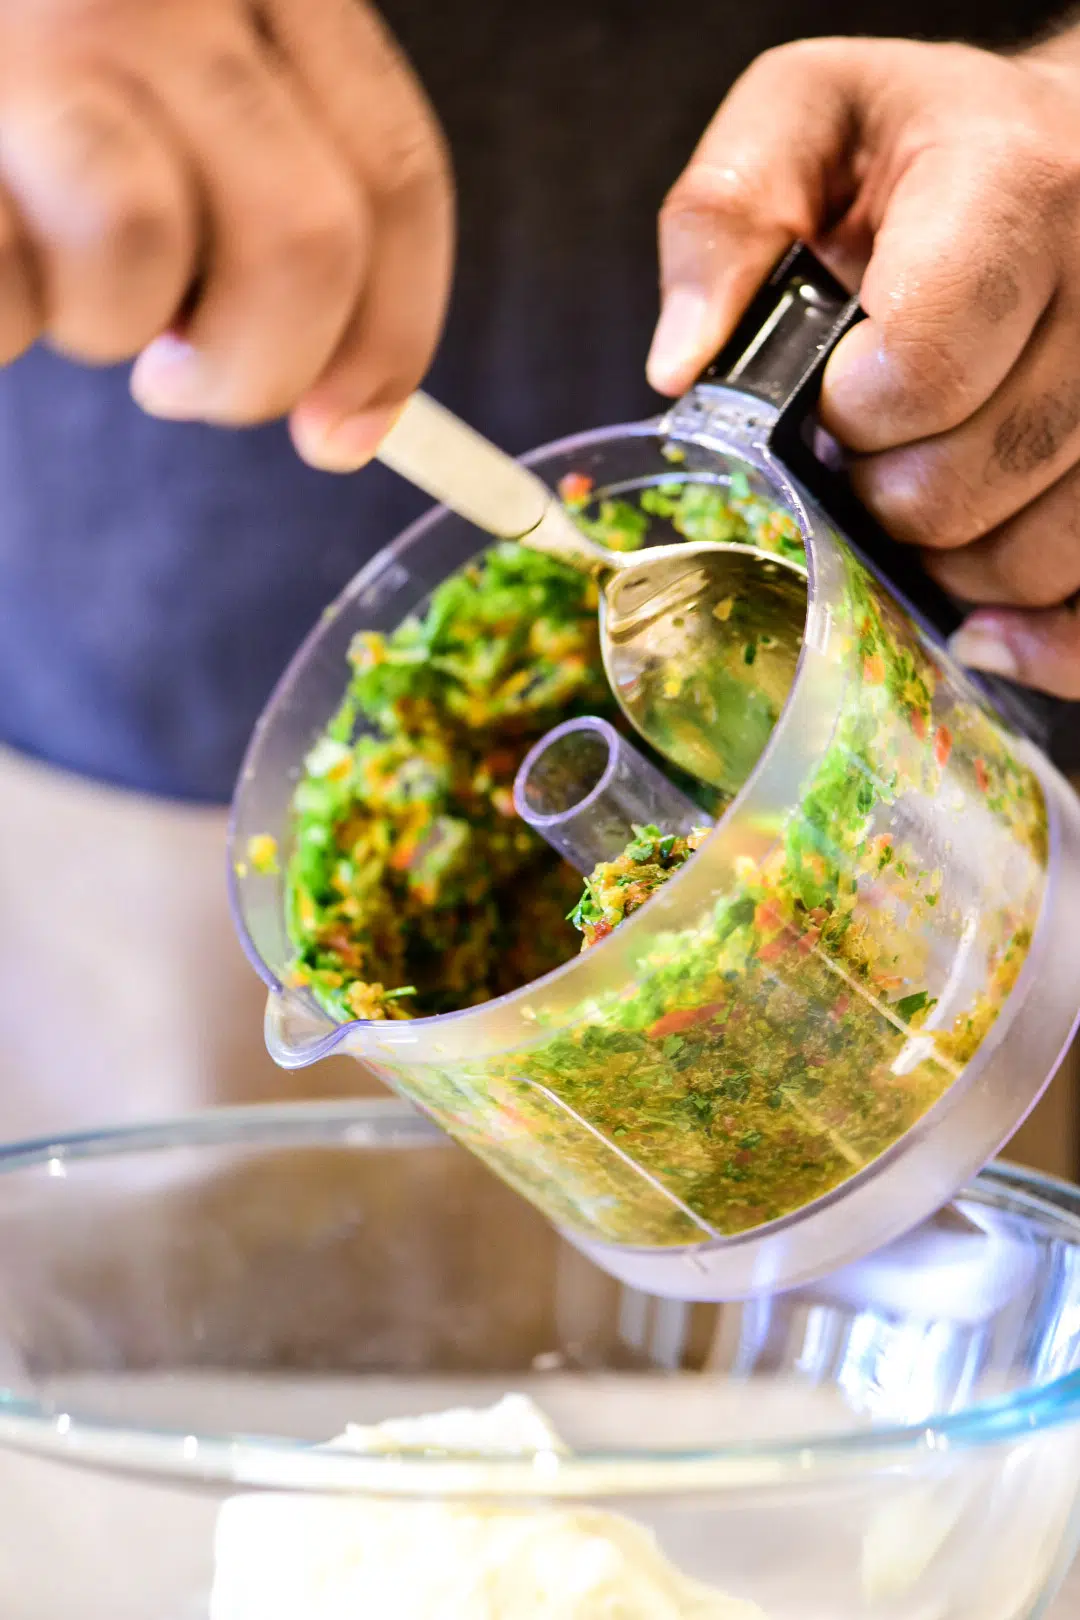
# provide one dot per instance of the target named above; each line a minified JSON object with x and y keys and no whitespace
{"x":297,"y":1034}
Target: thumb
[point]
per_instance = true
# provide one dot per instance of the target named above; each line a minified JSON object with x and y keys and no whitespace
{"x":774,"y":164}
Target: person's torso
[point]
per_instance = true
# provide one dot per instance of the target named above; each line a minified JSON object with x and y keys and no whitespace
{"x":154,"y":579}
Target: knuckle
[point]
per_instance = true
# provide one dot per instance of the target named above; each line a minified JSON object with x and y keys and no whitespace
{"x":1034,"y":560}
{"x":928,"y":503}
{"x":739,"y":191}
{"x":91,"y":135}
{"x":1026,"y":156}
{"x":728,"y":189}
{"x":743,"y":188}
{"x":413,"y":162}
{"x":119,"y":199}
{"x":996,"y":292}
{"x":904,"y":514}
{"x":1051,"y":652}
{"x":1019,"y":580}
{"x":927,"y":387}
{"x":230,"y":77}
{"x":806,"y":56}
{"x":1030,"y":172}
{"x":948,"y":513}
{"x":1037,"y":431}
{"x":955,"y":57}
{"x":320,"y":248}
{"x":1032,"y":148}
{"x":142,"y":232}
{"x":121,"y":269}
{"x":1000,"y":569}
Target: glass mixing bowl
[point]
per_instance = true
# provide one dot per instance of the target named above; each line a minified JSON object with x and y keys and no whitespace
{"x":189,"y":1311}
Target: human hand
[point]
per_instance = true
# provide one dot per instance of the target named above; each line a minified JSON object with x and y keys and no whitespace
{"x":254,"y":201}
{"x":944,"y":183}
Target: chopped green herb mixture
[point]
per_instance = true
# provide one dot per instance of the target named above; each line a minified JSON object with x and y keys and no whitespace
{"x":617,"y":888}
{"x":758,"y":1056}
{"x":696,"y":511}
{"x":410,"y":866}
{"x":409,"y":859}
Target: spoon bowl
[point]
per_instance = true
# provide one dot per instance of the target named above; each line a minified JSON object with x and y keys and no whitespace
{"x":699,"y":641}
{"x":700,"y":644}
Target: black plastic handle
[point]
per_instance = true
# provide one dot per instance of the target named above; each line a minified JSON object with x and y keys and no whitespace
{"x":778,"y":352}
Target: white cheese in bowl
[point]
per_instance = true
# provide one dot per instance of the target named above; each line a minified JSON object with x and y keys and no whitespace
{"x":287,"y":1556}
{"x":513,"y":1427}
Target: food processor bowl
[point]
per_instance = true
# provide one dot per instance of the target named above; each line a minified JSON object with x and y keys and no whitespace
{"x":190,"y":1311}
{"x":820,"y":1027}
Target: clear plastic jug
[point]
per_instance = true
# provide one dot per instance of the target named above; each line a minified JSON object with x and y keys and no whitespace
{"x":829,"y":1019}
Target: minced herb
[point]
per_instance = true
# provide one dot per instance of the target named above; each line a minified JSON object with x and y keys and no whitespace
{"x":621,"y":886}
{"x":409,"y":864}
{"x":757,"y":1056}
{"x":697,"y":511}
{"x":262,"y":852}
{"x":409,"y":861}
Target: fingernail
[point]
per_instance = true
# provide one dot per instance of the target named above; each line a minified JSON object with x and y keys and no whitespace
{"x":165,"y":379}
{"x":346,"y":445}
{"x":977,"y":646}
{"x":676,"y":351}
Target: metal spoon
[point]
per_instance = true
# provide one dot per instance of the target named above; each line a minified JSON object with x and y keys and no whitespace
{"x":699,"y":640}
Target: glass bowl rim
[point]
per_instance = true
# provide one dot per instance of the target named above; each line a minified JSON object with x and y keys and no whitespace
{"x":281,"y":1462}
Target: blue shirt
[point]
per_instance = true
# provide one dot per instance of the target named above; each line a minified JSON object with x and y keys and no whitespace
{"x":155,"y":579}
